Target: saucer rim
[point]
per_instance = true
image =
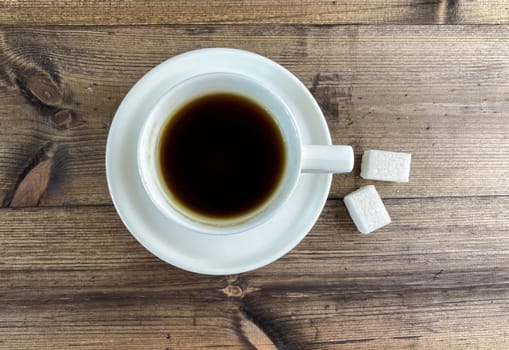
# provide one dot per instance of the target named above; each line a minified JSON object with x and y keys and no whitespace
{"x":320,"y":198}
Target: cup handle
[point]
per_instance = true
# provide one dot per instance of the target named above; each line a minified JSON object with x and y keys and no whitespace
{"x":327,"y":159}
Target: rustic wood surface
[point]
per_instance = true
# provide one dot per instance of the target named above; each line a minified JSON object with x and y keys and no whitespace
{"x":254,"y":12}
{"x":71,"y":276}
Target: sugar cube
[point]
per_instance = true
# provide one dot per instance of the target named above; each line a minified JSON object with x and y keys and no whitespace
{"x":367,"y":209}
{"x":386,"y":166}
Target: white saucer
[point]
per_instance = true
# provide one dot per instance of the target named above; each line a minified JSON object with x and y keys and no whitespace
{"x":189,"y":250}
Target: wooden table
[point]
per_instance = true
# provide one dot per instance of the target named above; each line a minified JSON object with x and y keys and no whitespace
{"x":386,"y":75}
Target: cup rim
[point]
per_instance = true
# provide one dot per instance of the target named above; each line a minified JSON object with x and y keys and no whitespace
{"x":163,"y":202}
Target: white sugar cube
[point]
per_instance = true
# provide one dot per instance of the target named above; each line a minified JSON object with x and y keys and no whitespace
{"x":367,"y":209}
{"x":386,"y":166}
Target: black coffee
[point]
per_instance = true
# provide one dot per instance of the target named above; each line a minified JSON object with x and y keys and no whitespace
{"x":221,"y":155}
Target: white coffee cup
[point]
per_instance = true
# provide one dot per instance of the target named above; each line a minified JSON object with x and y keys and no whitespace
{"x":299,"y":158}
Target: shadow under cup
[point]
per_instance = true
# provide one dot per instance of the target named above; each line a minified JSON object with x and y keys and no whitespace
{"x":166,"y":112}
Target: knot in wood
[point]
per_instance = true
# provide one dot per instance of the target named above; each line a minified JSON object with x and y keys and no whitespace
{"x":233,"y":291}
{"x":44,"y":89}
{"x":63,"y":118}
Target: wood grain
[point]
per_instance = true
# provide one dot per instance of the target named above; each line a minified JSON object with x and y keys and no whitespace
{"x":71,"y":276}
{"x":437,"y":277}
{"x":254,"y":12}
{"x":438,"y":92}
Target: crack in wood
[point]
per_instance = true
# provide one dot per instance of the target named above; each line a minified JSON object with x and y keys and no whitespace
{"x":347,"y":341}
{"x":408,"y":337}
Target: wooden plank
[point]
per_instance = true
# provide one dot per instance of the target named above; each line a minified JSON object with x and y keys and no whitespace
{"x":438,"y":92}
{"x":254,"y":12}
{"x":437,"y":277}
